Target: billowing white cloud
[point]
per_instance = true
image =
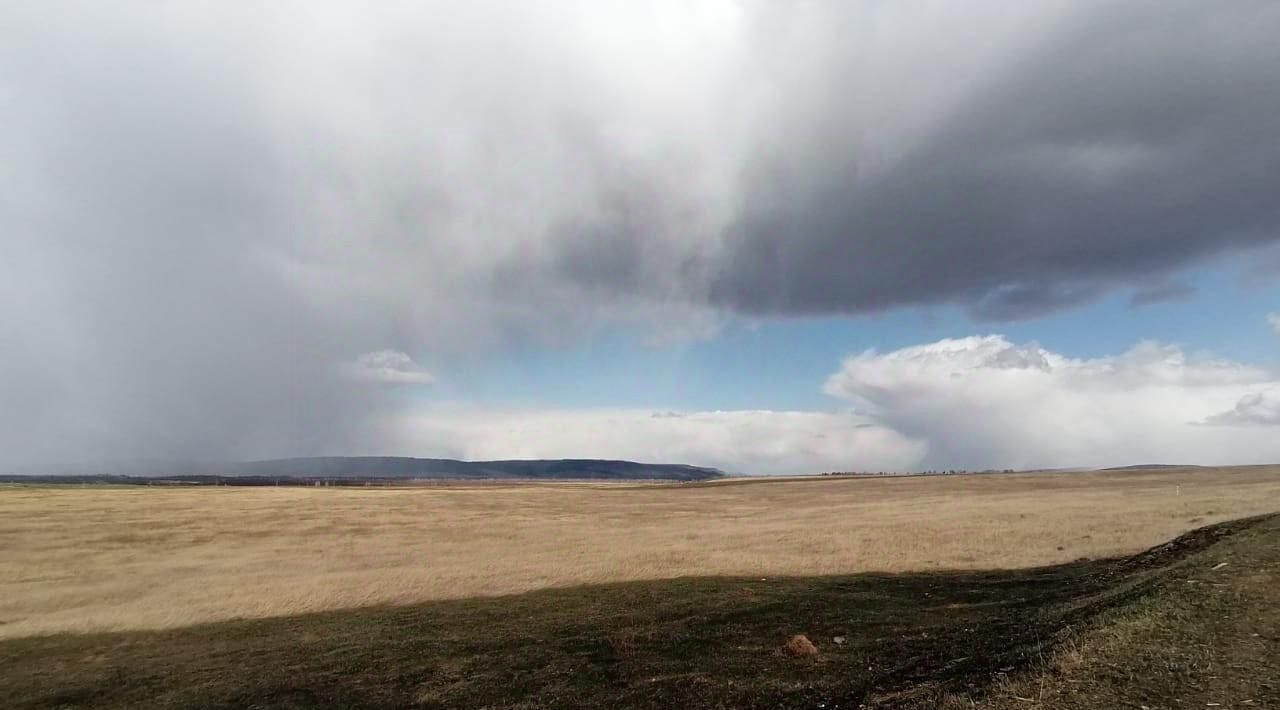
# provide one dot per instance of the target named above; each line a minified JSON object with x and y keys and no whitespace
{"x":745,"y":441}
{"x":388,"y":367}
{"x":986,"y":402}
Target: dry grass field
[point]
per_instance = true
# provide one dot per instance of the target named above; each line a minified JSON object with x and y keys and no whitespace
{"x":81,"y":559}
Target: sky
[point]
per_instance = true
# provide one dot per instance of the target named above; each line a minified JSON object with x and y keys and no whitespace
{"x":772,"y":238}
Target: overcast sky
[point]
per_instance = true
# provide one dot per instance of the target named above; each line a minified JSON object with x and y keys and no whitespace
{"x":770,"y":237}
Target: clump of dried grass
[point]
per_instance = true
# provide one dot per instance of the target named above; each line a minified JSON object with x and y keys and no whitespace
{"x":799,"y":646}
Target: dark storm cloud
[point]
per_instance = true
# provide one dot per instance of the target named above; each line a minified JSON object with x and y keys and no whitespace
{"x":210,"y":212}
{"x":1131,"y":140}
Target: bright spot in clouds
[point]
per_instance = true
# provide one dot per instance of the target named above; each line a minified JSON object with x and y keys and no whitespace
{"x":388,"y":367}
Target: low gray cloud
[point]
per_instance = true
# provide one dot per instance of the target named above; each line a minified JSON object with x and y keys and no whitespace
{"x":1256,"y":408}
{"x":207,"y":209}
{"x":1161,"y":292}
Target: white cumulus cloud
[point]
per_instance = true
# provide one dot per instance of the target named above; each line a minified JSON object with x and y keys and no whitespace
{"x":390,"y":367}
{"x":987,"y":402}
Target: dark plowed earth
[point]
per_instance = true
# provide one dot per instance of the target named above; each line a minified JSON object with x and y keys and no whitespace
{"x":907,"y":641}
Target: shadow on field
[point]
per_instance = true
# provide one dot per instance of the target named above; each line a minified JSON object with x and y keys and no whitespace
{"x":904,"y":640}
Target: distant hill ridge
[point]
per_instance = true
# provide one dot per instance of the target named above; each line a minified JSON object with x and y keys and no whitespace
{"x":404,"y":467}
{"x":393,"y":468}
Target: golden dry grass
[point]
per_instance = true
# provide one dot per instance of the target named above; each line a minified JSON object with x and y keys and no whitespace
{"x":75,"y":559}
